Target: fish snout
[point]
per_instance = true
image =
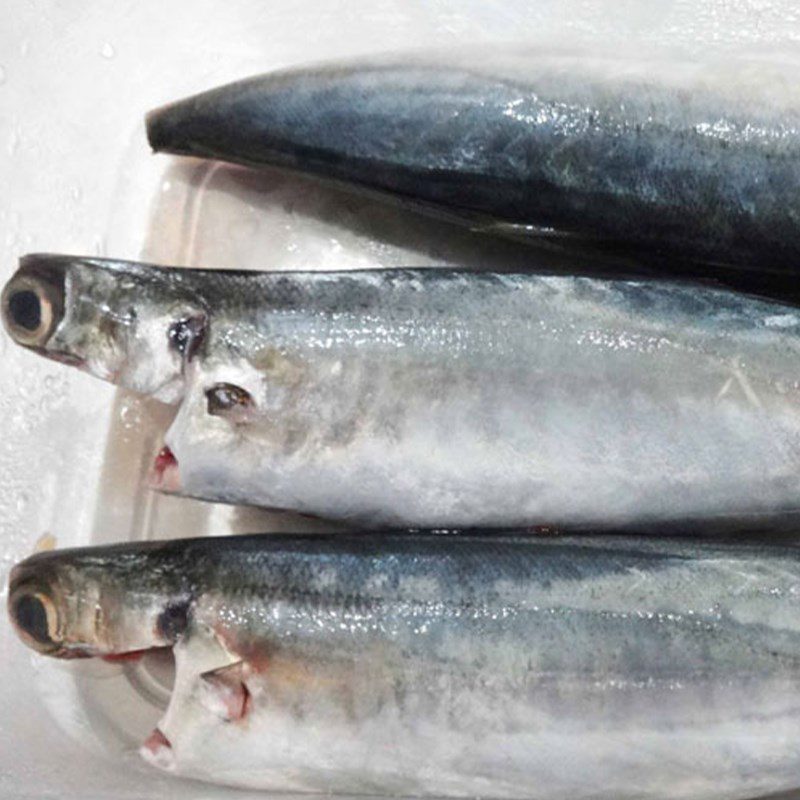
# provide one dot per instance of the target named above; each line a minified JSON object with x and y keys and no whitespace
{"x":170,"y":129}
{"x":33,"y":301}
{"x":37,"y":609}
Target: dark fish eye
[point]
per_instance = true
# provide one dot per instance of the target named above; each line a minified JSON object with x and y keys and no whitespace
{"x":30,"y":616}
{"x":25,"y":310}
{"x":31,"y":308}
{"x":227,"y":399}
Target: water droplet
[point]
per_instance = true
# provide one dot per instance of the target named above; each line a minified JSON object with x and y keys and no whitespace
{"x":49,"y":382}
{"x":76,"y":193}
{"x":130,"y":414}
{"x":24,"y":47}
{"x":2,"y":74}
{"x":22,"y":501}
{"x":166,"y":186}
{"x":107,"y":50}
{"x":99,"y":245}
{"x":13,"y":142}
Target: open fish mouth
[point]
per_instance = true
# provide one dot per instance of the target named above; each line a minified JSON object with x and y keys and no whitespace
{"x":157,"y":751}
{"x":164,"y":475}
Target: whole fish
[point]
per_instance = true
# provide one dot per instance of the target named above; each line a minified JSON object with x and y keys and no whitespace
{"x":697,"y":158}
{"x":440,"y":398}
{"x":497,"y":666}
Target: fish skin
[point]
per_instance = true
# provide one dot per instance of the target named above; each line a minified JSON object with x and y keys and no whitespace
{"x":446,"y":398}
{"x":495,"y":665}
{"x":695,"y":158}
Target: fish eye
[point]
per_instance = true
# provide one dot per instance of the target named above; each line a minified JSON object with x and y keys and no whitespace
{"x":31,"y":309}
{"x":225,"y":397}
{"x":25,"y":310}
{"x":35,"y":617}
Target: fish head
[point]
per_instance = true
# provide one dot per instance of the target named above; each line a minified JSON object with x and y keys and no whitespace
{"x":74,"y":604}
{"x":133,"y":326}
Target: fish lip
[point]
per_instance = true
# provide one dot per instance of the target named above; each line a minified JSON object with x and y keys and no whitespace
{"x":163,"y":130}
{"x":156,"y":750}
{"x":69,"y":652}
{"x":171,"y":129}
{"x":32,"y":301}
{"x":164,"y":474}
{"x":61,"y":356}
{"x":154,"y":129}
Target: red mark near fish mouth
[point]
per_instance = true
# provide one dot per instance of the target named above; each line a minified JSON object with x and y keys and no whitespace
{"x":164,"y":476}
{"x":157,"y":750}
{"x":155,"y":741}
{"x":131,"y":655}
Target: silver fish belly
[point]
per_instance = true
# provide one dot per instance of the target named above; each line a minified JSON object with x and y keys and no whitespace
{"x":495,"y":666}
{"x":696,"y":158}
{"x":446,"y":398}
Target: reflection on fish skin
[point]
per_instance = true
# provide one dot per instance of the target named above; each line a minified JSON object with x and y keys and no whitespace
{"x":494,"y":665}
{"x":695,"y":158}
{"x":448,"y":398}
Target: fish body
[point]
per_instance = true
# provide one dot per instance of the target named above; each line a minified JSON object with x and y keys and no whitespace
{"x":694,"y":158}
{"x":493,"y":666}
{"x":446,"y":398}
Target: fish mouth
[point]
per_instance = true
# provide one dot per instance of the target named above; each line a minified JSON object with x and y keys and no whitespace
{"x":157,"y":750}
{"x":32,"y":303}
{"x":164,"y":475}
{"x":156,"y":129}
{"x":166,"y":129}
